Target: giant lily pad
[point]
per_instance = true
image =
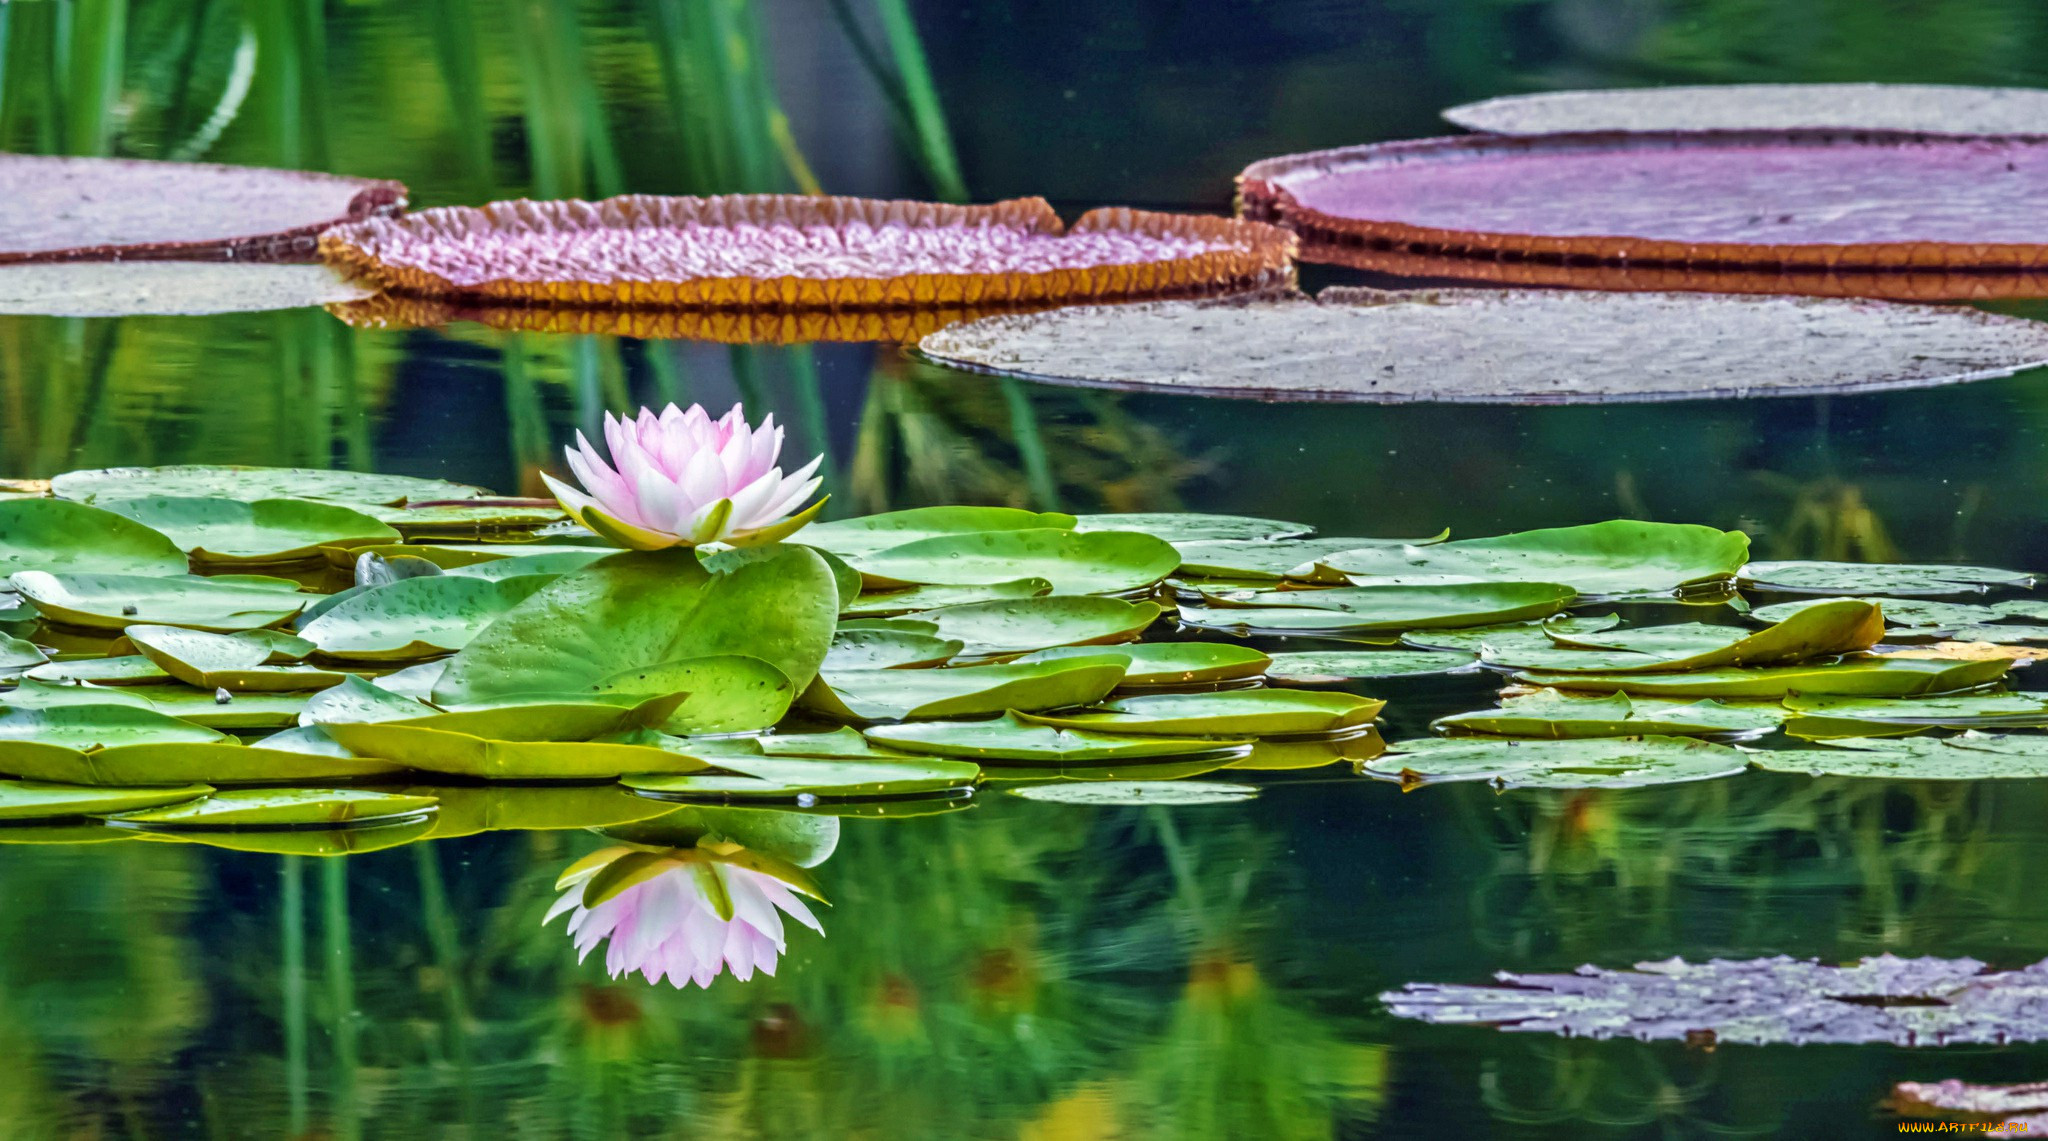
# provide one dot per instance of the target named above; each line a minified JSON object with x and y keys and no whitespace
{"x":1094,"y":562}
{"x":1596,"y":763}
{"x":1932,"y":108}
{"x":230,"y":532}
{"x":1560,"y":716}
{"x":1621,"y":556}
{"x":1159,"y":664}
{"x":1856,"y":677}
{"x":54,"y":535}
{"x":636,"y":610}
{"x":1909,"y":579}
{"x":967,"y":691}
{"x":992,"y":629}
{"x":116,"y":601}
{"x":869,"y":534}
{"x":414,"y":618}
{"x":1367,"y":609}
{"x":1816,"y":199}
{"x":252,"y":483}
{"x":1013,"y":739}
{"x":282,"y":808}
{"x":1542,"y":346}
{"x":72,"y":209}
{"x":1904,"y":1002}
{"x":1232,"y":713}
{"x":803,"y":252}
{"x":1972,"y":756}
{"x":39,"y":800}
{"x":223,"y":661}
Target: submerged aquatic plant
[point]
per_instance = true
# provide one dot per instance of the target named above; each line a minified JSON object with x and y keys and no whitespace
{"x":680,"y":479}
{"x":698,"y":914}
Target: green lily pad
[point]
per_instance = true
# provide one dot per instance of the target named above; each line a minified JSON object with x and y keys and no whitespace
{"x":255,"y":709}
{"x":1190,"y":527}
{"x":252,"y":483}
{"x":1013,"y":739}
{"x":69,"y":742}
{"x":1958,"y":711}
{"x":1272,"y":560}
{"x":416,"y":617}
{"x":15,"y":610}
{"x":1550,"y":714}
{"x":17,"y":655}
{"x":778,"y":778}
{"x":464,"y":754}
{"x":1164,"y":793}
{"x":1618,"y":557}
{"x":223,"y":661}
{"x":889,"y":603}
{"x":469,"y":809}
{"x":117,"y":601}
{"x":1281,"y":753}
{"x":869,"y":534}
{"x":229,"y":532}
{"x":843,"y":743}
{"x":220,"y":763}
{"x":1854,"y":677}
{"x":637,"y":610}
{"x":798,"y":838}
{"x":1972,"y":756}
{"x":54,"y":535}
{"x":1322,"y":667}
{"x":32,"y":693}
{"x":354,"y":839}
{"x":1882,"y":579}
{"x":452,"y":521}
{"x":1096,"y":562}
{"x":887,"y":650}
{"x":1913,"y":612}
{"x":39,"y":800}
{"x":1160,"y":664}
{"x":996,"y":629}
{"x":1366,"y":609}
{"x":1598,"y":763}
{"x":1232,"y":713}
{"x":480,"y":560}
{"x":1509,"y":635}
{"x":967,"y":691}
{"x":281,"y":807}
{"x":126,"y":669}
{"x":416,"y":682}
{"x":1828,"y":629}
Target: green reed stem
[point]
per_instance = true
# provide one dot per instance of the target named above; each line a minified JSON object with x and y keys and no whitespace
{"x":441,"y":934}
{"x":341,"y":996}
{"x":1045,"y":491}
{"x":456,"y":35}
{"x":922,"y":98}
{"x":291,"y":873}
{"x":670,"y":385}
{"x":811,"y":411}
{"x":99,"y":39}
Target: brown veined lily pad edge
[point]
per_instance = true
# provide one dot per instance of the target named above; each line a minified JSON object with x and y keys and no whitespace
{"x":1256,"y":255}
{"x":1262,"y":196}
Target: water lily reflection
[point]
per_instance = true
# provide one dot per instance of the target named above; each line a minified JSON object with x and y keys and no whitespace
{"x":687,"y":915}
{"x":682,"y":479}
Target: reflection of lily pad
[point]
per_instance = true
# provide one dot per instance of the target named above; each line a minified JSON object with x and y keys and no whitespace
{"x":1319,"y":667}
{"x":868,"y":534}
{"x":227,"y":532}
{"x":280,"y":807}
{"x":116,"y":601}
{"x":252,"y":483}
{"x":1023,"y":625}
{"x":778,"y":778}
{"x":1861,"y":677}
{"x":35,"y":800}
{"x":1621,"y":556}
{"x":1936,"y":108}
{"x":1094,"y":562}
{"x":1178,"y":527}
{"x":1232,"y":713}
{"x":1551,"y":714}
{"x":1596,"y":763}
{"x":1012,"y":739}
{"x":967,"y":691}
{"x":1904,"y":1002}
{"x":1165,"y":793}
{"x":168,"y":288}
{"x":1909,"y":579}
{"x":1972,"y":756}
{"x":54,"y":535}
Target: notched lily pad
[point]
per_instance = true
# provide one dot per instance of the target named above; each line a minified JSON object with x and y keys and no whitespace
{"x":888,"y":650}
{"x":1331,"y":666}
{"x":414,"y":618}
{"x":252,"y":483}
{"x":1857,"y":677}
{"x":1618,"y":557}
{"x":1972,"y":756}
{"x":1779,"y":1000}
{"x":1542,"y":346}
{"x":999,"y":629}
{"x":869,"y":534}
{"x":1548,"y":713}
{"x":233,"y":662}
{"x":786,"y":778}
{"x":916,"y":599}
{"x":55,"y":535}
{"x":1377,"y":609}
{"x":38,"y":800}
{"x":1179,"y":527}
{"x":1593,"y":763}
{"x":1158,"y":665}
{"x":1011,"y":739}
{"x":1256,"y":560}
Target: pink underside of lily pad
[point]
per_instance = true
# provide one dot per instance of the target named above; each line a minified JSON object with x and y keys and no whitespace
{"x":675,"y":253}
{"x":1974,"y":191}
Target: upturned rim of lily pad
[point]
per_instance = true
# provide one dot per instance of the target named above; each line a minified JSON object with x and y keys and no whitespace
{"x":1264,"y":195}
{"x":1245,"y":254}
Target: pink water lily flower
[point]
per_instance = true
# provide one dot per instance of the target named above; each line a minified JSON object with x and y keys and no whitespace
{"x":682,"y":479}
{"x":687,"y":915}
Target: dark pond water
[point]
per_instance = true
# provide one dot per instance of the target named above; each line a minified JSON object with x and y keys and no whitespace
{"x":1018,"y":969}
